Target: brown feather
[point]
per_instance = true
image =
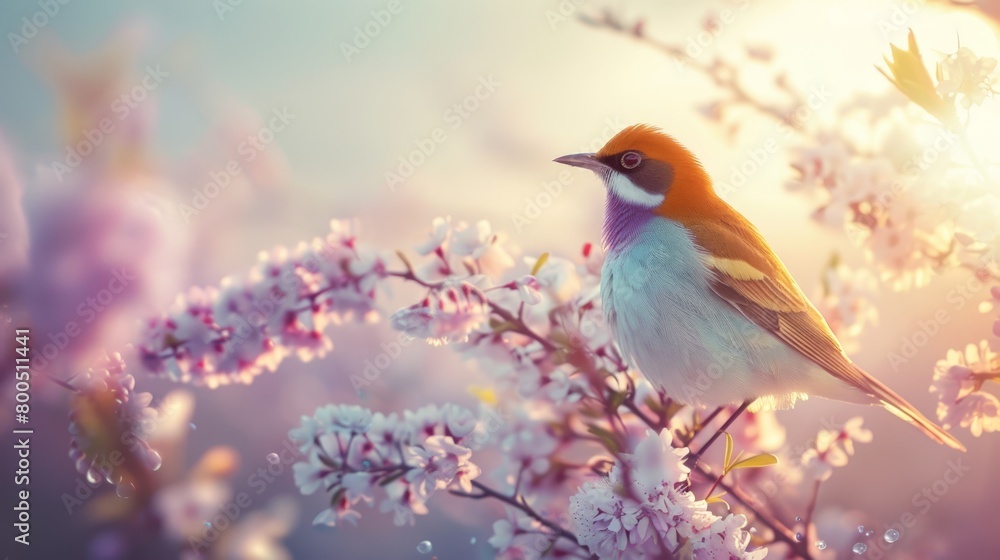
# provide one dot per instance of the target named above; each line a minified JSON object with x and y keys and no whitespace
{"x":773,"y":301}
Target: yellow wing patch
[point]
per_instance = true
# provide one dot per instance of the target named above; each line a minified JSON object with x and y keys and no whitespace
{"x":734,"y":268}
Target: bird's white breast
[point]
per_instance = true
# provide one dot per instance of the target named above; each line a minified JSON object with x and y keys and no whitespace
{"x":683,"y":337}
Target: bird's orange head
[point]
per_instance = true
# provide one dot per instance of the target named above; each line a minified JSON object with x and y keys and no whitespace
{"x":642,"y":166}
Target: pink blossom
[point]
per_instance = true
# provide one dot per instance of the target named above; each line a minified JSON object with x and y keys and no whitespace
{"x":958,"y":381}
{"x":832,"y":448}
{"x":447,"y":314}
{"x":233,"y":333}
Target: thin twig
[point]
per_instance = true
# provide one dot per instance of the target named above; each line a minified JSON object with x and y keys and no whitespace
{"x":518,"y":325}
{"x":57,"y":381}
{"x":693,"y":459}
{"x":487,"y":492}
{"x":811,"y":508}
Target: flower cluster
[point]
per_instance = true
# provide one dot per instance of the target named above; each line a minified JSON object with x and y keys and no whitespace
{"x":354,"y":454}
{"x":643,"y":510}
{"x":542,"y":339}
{"x":958,"y":382}
{"x":235,"y":332}
{"x":964,"y":75}
{"x":109,"y":423}
{"x":448,"y":313}
{"x":833,"y":447}
{"x":460,"y":246}
{"x":886,"y":204}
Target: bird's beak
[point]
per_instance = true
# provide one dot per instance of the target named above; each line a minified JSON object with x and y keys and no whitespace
{"x":586,"y":161}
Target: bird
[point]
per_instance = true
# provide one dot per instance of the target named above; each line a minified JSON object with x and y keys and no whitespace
{"x":698,"y":301}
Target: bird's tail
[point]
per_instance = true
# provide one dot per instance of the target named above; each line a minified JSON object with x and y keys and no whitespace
{"x":898,"y":406}
{"x":906,"y":411}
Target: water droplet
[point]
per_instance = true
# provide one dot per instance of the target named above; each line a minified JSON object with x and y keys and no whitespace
{"x":861,"y":529}
{"x":798,"y":537}
{"x":859,"y":548}
{"x":193,"y":426}
{"x":798,"y":519}
{"x":869,"y":533}
{"x":208,"y":524}
{"x":753,"y":530}
{"x":821,"y":545}
{"x":891,"y":536}
{"x":472,"y":540}
{"x":366,"y":464}
{"x":424,"y":547}
{"x":124,"y":489}
{"x":153,"y":460}
{"x":273,"y":458}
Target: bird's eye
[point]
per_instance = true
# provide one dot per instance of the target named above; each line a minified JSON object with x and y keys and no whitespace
{"x":631,"y":160}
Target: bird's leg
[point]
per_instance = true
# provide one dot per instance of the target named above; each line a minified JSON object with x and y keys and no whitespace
{"x":692,"y":459}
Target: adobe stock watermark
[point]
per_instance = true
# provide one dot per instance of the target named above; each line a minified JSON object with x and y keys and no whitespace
{"x":551,"y":190}
{"x":898,"y":17}
{"x":928,"y":328}
{"x":258,"y":482}
{"x":365,"y":33}
{"x":923,"y":501}
{"x":914,"y":167}
{"x":225,"y":7}
{"x":257,"y":315}
{"x":453,"y":117}
{"x":248,"y":150}
{"x":776,"y":480}
{"x":757,"y":157}
{"x":88,"y":311}
{"x":563,"y":12}
{"x":701,"y":42}
{"x":375,"y":366}
{"x":33,"y":23}
{"x":122,"y":106}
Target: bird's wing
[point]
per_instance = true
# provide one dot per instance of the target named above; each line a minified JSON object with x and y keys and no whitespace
{"x":745,"y":272}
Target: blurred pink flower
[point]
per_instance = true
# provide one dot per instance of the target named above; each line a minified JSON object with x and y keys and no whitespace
{"x":833,"y":448}
{"x":958,"y":382}
{"x":232,"y":334}
{"x":109,"y":419}
{"x":483,"y":246}
{"x":847,"y":302}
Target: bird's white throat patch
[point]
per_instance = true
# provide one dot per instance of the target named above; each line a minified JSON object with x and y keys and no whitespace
{"x":622,"y":187}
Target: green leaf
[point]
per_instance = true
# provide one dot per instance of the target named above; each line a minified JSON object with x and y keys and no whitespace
{"x":729,"y":452}
{"x":406,"y":261}
{"x":542,"y":259}
{"x":717,"y":499}
{"x":762,"y":460}
{"x":391,"y":478}
{"x":606,"y":437}
{"x":616,"y":399}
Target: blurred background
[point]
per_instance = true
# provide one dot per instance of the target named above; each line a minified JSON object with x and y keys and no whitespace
{"x":319,"y":116}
